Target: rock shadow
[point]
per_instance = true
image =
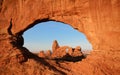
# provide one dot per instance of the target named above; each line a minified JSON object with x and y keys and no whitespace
{"x":70,"y":58}
{"x":44,"y":62}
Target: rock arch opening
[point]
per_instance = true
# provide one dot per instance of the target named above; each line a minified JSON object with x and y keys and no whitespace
{"x":41,"y":36}
{"x":101,"y":27}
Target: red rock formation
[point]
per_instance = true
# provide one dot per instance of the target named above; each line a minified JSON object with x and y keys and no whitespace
{"x":41,"y":54}
{"x":60,"y":52}
{"x":77,"y":52}
{"x":74,"y":52}
{"x":48,"y":53}
{"x":55,"y":45}
{"x":99,"y":20}
{"x":70,"y":51}
{"x":66,"y":50}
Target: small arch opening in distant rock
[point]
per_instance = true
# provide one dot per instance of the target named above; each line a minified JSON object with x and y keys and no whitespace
{"x":67,"y":50}
{"x":41,"y":36}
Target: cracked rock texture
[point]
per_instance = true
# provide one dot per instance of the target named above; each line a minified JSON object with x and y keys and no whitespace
{"x":99,"y":20}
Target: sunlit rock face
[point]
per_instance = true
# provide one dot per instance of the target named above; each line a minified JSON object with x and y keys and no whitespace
{"x":55,"y":45}
{"x":65,"y":51}
{"x":60,"y":52}
{"x":41,"y":54}
{"x":98,"y":19}
{"x":77,"y":51}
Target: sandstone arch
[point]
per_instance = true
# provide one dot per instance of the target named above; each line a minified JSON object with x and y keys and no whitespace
{"x":101,"y":27}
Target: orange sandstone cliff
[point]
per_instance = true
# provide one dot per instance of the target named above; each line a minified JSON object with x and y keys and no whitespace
{"x":99,"y":20}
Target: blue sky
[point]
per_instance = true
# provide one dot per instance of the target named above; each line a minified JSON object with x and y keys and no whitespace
{"x":41,"y":36}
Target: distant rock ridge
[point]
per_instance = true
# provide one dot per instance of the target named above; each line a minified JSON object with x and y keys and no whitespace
{"x":60,"y":52}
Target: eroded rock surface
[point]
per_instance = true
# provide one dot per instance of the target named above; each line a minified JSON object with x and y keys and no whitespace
{"x":60,"y":52}
{"x":77,"y":51}
{"x":55,"y":45}
{"x":99,"y":20}
{"x":63,"y":53}
{"x":42,"y":54}
{"x":48,"y":53}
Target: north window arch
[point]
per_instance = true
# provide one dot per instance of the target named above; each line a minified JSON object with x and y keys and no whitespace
{"x":41,"y":36}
